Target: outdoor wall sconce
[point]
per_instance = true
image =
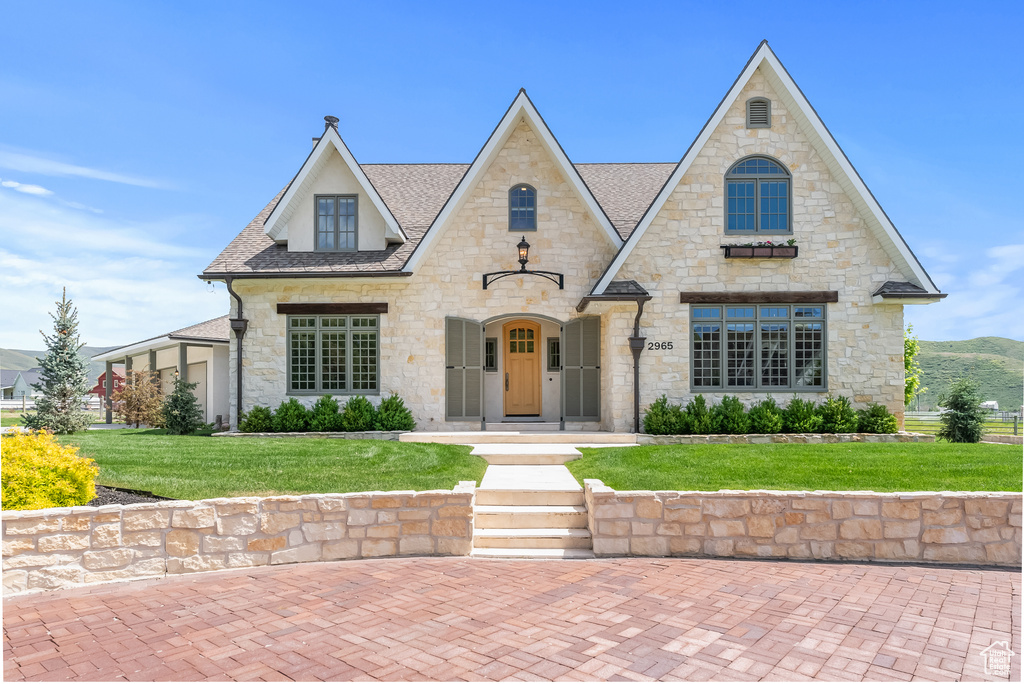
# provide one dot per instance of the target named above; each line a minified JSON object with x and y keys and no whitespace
{"x":524,"y":252}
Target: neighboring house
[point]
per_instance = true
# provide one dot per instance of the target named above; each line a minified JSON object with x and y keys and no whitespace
{"x":100,"y":389}
{"x":18,"y":384}
{"x":202,"y":349}
{"x":379,"y":278}
{"x":989,"y":405}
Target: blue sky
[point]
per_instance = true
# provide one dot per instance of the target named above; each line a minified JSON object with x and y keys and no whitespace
{"x":137,"y":139}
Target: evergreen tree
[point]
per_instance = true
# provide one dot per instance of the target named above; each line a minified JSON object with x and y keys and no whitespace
{"x":182,"y":414}
{"x":64,"y":380}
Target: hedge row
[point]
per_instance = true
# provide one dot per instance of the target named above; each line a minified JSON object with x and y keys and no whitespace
{"x":358,"y":415}
{"x":765,"y":417}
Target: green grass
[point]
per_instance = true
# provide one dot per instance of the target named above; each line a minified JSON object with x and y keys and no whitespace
{"x":879,"y":467}
{"x":10,"y":418}
{"x":203,"y":467}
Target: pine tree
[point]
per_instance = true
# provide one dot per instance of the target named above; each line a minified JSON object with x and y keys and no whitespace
{"x":64,"y":380}
{"x":182,"y":414}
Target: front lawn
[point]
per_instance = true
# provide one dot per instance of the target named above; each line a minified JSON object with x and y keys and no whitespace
{"x":203,"y":467}
{"x":899,"y":467}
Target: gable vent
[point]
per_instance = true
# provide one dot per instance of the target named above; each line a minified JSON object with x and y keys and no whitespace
{"x":759,"y":113}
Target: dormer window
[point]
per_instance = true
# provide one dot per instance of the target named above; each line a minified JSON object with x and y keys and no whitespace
{"x":335,"y":223}
{"x":759,"y":112}
{"x":522,"y":209}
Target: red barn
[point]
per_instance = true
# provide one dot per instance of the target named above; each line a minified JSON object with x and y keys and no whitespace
{"x":100,"y":390}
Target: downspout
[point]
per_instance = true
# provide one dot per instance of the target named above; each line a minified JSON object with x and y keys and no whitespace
{"x":636,"y":345}
{"x":239,"y":325}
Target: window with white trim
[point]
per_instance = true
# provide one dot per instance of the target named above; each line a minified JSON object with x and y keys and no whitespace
{"x":757,"y":347}
{"x":333,"y":354}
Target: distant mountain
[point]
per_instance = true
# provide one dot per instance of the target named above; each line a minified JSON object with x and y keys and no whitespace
{"x":23,"y":359}
{"x":996,"y":362}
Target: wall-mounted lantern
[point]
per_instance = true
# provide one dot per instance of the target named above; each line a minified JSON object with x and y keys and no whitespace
{"x":524,"y":258}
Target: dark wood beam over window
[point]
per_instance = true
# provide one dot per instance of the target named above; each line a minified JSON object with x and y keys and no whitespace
{"x":802,"y":297}
{"x":332,"y":308}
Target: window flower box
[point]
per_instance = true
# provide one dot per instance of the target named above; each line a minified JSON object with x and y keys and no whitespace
{"x":760,"y":251}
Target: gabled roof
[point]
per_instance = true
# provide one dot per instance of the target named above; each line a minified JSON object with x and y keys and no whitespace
{"x":302,"y":182}
{"x":813,"y":127}
{"x":9,"y":377}
{"x":214,"y":331}
{"x":520,"y":109}
{"x":415,"y":193}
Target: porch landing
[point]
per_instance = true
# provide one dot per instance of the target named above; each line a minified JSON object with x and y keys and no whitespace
{"x":589,"y":439}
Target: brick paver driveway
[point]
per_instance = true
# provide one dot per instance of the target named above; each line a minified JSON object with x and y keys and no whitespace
{"x":476,"y":619}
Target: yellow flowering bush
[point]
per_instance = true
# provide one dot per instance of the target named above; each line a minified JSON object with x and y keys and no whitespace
{"x":39,"y":472}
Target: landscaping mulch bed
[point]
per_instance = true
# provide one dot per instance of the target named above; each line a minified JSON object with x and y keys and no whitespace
{"x":116,"y":495}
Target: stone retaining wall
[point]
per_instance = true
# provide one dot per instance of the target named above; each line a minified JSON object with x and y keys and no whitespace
{"x":801,"y":438}
{"x":62,"y":547}
{"x":941,"y":527}
{"x":386,"y":435}
{"x":1003,"y":439}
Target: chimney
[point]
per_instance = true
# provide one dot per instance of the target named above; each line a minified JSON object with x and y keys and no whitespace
{"x":315,"y":141}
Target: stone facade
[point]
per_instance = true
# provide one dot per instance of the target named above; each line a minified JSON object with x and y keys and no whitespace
{"x":63,"y":547}
{"x":681,"y":252}
{"x":940,"y":527}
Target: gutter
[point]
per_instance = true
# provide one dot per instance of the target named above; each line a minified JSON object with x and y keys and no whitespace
{"x":239,"y":325}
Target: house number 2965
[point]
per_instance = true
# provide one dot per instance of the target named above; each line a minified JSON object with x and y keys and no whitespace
{"x":659,"y":345}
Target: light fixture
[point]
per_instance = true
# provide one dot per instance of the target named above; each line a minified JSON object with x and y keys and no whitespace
{"x":209,"y":286}
{"x":524,"y":258}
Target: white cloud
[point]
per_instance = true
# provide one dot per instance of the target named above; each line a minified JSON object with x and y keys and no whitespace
{"x":128,"y":280}
{"x":31,"y":163}
{"x":27,"y":189}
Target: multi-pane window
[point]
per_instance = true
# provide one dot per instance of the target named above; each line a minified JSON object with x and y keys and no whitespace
{"x":554,"y":354}
{"x":522,"y":208}
{"x":333,"y":354}
{"x":335,"y":223}
{"x":520,"y":341}
{"x":757,"y":197}
{"x":758,"y":347}
{"x":491,"y":354}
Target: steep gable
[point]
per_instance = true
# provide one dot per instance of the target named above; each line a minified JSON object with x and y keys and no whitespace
{"x":766,"y":65}
{"x":521,"y":112}
{"x":331,"y":169}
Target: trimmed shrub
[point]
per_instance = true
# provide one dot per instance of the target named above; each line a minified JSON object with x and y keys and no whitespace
{"x":291,"y":416}
{"x":801,"y":415}
{"x":358,"y":414}
{"x":964,"y":419}
{"x":837,"y":415}
{"x":663,"y":418}
{"x":182,"y":414}
{"x":39,"y":472}
{"x":698,"y":417}
{"x":877,"y":419}
{"x":324,"y":416}
{"x":393,"y":415}
{"x":765,"y":417}
{"x":259,"y":419}
{"x":730,"y":417}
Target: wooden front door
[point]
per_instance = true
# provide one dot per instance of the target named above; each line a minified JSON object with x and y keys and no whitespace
{"x":522,"y":368}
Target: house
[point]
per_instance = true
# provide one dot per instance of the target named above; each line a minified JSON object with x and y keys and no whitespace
{"x":100,"y":388}
{"x":201,"y":349}
{"x":18,"y":384}
{"x":522,"y":287}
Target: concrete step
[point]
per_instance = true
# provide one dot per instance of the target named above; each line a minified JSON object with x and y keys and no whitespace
{"x":542,"y":538}
{"x":535,"y":554}
{"x":529,"y":517}
{"x":521,"y":437}
{"x":526,"y":454}
{"x":524,"y":426}
{"x":534,"y":497}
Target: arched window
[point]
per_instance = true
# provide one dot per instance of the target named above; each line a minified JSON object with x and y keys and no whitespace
{"x":757,"y":191}
{"x":522,"y":208}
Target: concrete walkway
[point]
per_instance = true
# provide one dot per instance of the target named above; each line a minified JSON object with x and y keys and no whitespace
{"x":477,"y":619}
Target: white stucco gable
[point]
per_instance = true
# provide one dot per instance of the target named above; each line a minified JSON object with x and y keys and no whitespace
{"x":331,"y":169}
{"x":821,"y":139}
{"x":522,"y":110}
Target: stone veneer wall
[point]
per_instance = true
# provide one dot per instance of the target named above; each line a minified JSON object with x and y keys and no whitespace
{"x":63,"y":547}
{"x":941,"y":527}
